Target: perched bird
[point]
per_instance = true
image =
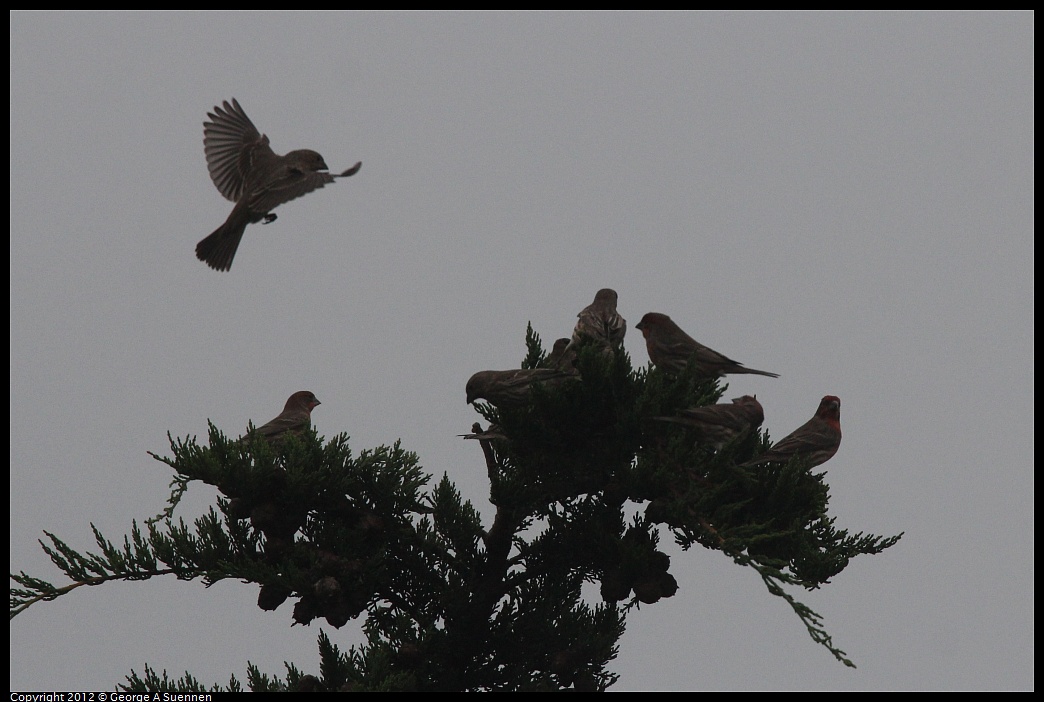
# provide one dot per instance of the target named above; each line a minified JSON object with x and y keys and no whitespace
{"x":561,"y":356}
{"x":716,"y":425}
{"x":600,"y":321}
{"x":671,"y":349}
{"x":817,"y":439}
{"x":296,"y":417}
{"x":511,"y":387}
{"x":492,"y":433}
{"x":246,"y":171}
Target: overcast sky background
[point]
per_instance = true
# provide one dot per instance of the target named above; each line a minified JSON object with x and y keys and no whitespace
{"x":844,"y":199}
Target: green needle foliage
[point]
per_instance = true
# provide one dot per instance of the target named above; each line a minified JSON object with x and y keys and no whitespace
{"x":584,"y":486}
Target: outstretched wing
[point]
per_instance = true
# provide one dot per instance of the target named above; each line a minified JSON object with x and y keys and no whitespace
{"x":232,"y":145}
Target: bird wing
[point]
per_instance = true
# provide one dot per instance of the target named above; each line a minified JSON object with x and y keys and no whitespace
{"x":288,"y":421}
{"x":287,"y":184}
{"x":232,"y":145}
{"x":809,"y":436}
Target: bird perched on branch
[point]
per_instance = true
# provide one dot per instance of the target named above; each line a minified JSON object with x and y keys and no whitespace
{"x":512,"y":387}
{"x":716,"y":425}
{"x":295,"y":419}
{"x":492,"y":433}
{"x":600,"y":321}
{"x":671,"y":349}
{"x":561,"y":356}
{"x":817,"y":439}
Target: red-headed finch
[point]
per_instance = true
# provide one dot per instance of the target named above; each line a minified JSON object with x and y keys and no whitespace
{"x":671,"y":349}
{"x":296,"y":417}
{"x":601,"y":321}
{"x":511,"y":387}
{"x":817,"y":439}
{"x":246,"y":171}
{"x":716,"y":425}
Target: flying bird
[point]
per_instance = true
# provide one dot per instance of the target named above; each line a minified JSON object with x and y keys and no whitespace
{"x":246,"y":171}
{"x":672,"y":349}
{"x":296,"y":417}
{"x":716,"y":425}
{"x":817,"y":439}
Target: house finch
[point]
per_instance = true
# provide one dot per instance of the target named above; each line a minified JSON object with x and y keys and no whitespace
{"x":671,"y":349}
{"x":246,"y":171}
{"x":296,"y":417}
{"x":561,"y":356}
{"x":601,"y":321}
{"x":492,"y":433}
{"x":817,"y":439}
{"x":716,"y":425}
{"x":511,"y":387}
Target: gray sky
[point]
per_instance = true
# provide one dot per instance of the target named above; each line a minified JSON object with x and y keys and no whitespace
{"x":844,"y":199}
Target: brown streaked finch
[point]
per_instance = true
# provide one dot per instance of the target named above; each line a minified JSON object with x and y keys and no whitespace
{"x":492,"y":433}
{"x":600,"y":321}
{"x":511,"y":387}
{"x":561,"y":356}
{"x":671,"y":349}
{"x":246,"y":171}
{"x":716,"y":425}
{"x":296,"y":417}
{"x":817,"y":439}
